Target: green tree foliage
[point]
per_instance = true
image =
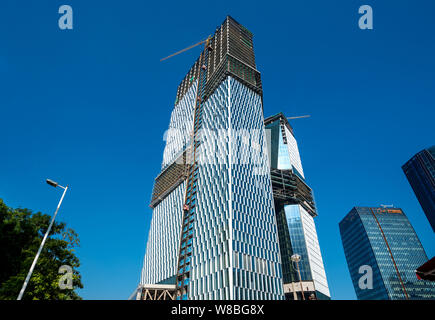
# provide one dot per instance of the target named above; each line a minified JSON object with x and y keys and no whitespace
{"x":21,"y":233}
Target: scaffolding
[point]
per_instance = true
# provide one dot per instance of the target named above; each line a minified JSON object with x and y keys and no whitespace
{"x":170,"y":178}
{"x":156,"y":292}
{"x":230,"y":53}
{"x":289,"y":188}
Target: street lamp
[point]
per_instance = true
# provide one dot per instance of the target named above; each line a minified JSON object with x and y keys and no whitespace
{"x":296,"y":258}
{"x":53,"y":184}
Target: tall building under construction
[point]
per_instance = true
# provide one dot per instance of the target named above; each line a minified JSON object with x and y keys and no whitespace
{"x":213,"y":233}
{"x":295,"y":212}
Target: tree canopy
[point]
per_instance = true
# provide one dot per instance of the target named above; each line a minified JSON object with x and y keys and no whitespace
{"x":21,"y":233}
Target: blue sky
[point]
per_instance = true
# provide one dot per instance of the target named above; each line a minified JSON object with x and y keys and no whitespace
{"x":88,"y":107}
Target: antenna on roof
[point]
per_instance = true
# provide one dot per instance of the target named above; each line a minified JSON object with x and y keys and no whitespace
{"x":387,"y":205}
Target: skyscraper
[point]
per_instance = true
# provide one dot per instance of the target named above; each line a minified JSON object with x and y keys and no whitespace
{"x":213,"y":233}
{"x":420,"y":171}
{"x":295,"y":211}
{"x":382,"y":252}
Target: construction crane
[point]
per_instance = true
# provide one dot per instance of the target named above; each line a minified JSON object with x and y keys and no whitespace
{"x":206,"y":41}
{"x":299,"y":117}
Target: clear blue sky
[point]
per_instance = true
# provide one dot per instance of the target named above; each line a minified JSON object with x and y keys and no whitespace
{"x":88,"y":107}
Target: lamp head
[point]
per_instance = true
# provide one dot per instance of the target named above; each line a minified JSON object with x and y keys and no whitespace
{"x":52,"y":183}
{"x":296,"y":257}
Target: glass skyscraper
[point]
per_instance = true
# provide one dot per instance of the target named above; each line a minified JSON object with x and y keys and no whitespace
{"x":213,"y":233}
{"x":420,"y":171}
{"x":295,"y":211}
{"x":382,"y":252}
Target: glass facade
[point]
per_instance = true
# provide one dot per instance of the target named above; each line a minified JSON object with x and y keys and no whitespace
{"x":235,"y":243}
{"x":160,"y":262}
{"x":297,"y":238}
{"x":384,"y":240}
{"x":295,"y":212}
{"x":233,"y":237}
{"x":214,"y":231}
{"x":283,"y":147}
{"x":420,"y":171}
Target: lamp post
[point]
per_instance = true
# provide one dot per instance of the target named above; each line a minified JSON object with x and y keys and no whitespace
{"x":53,"y":184}
{"x":296,"y":258}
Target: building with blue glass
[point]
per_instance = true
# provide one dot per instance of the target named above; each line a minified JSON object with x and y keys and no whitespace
{"x":213,"y":233}
{"x":420,"y":171}
{"x":295,"y":212}
{"x":382,"y":252}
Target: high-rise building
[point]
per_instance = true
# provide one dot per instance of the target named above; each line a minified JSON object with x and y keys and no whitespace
{"x":420,"y":171}
{"x":295,"y":211}
{"x":213,"y":233}
{"x":382,"y":252}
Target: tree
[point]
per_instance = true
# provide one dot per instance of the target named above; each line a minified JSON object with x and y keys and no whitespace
{"x":21,"y":233}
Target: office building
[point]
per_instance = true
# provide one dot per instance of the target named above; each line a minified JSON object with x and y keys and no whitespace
{"x":383,"y":252}
{"x":420,"y":171}
{"x":213,"y":233}
{"x":295,"y":211}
